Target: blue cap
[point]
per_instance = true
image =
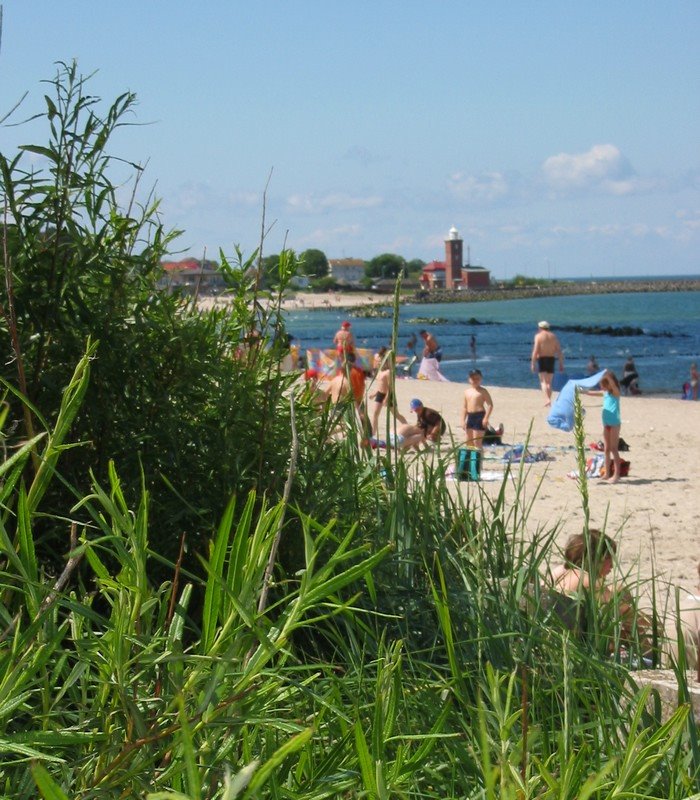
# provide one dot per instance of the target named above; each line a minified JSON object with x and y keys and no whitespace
{"x":415,"y":404}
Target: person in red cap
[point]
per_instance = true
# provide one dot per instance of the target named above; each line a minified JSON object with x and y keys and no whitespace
{"x":343,"y":340}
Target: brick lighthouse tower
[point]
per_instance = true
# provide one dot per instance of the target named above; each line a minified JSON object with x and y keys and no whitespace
{"x":453,"y":259}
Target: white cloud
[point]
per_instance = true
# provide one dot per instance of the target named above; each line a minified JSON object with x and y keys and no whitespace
{"x":488,"y":187}
{"x":338,"y":201}
{"x":204,"y":197}
{"x":603,"y":167}
{"x":689,"y":220}
{"x":322,"y":237}
{"x":362,"y":155}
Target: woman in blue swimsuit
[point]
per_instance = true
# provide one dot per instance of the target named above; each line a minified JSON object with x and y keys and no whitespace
{"x":612,"y":423}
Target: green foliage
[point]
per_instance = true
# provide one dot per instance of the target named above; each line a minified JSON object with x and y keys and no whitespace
{"x":314,"y":263}
{"x":405,"y":645}
{"x":414,"y":268}
{"x":386,"y":265}
{"x":171,"y":389}
{"x":324,"y":284}
{"x":520,"y":281}
{"x":110,"y":684}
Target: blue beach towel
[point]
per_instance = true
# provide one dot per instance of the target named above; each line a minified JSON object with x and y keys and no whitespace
{"x":562,"y":412}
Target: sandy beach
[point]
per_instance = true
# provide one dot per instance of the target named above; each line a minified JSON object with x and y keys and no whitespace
{"x":307,"y":300}
{"x":654,"y":513}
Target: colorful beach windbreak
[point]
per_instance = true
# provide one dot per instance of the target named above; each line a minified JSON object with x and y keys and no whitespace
{"x":327,"y":362}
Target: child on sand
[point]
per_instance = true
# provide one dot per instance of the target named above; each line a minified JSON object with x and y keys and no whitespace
{"x":612,"y":422}
{"x":476,"y":410}
{"x":383,"y":397}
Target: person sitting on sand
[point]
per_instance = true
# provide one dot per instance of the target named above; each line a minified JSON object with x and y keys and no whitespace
{"x":429,"y":421}
{"x":315,"y":390}
{"x":383,"y":397}
{"x":588,"y":560}
{"x":545,"y":351}
{"x":476,"y":410}
{"x":688,"y":620}
{"x":494,"y":435}
{"x":630,"y":377}
{"x":694,"y":375}
{"x":349,"y":381}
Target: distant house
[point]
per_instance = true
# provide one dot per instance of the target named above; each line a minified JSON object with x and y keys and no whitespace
{"x":433,"y":275}
{"x":192,"y":275}
{"x":452,"y":273}
{"x":348,"y":271}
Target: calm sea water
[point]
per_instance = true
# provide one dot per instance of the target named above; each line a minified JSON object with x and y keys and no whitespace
{"x":505,"y":329}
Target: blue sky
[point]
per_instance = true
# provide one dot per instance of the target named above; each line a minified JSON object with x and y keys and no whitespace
{"x":560,"y":138}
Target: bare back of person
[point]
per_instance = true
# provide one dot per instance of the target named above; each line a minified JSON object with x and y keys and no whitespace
{"x":382,"y":383}
{"x":383,"y":397}
{"x":338,"y":388}
{"x":546,"y":350}
{"x":547,"y":344}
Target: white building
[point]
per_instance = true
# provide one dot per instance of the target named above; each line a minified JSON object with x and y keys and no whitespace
{"x":349,"y":271}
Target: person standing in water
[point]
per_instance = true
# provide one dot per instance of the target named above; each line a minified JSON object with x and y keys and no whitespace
{"x":432,"y":349}
{"x":343,"y":340}
{"x":545,"y":351}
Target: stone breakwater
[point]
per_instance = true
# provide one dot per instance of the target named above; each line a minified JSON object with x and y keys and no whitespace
{"x":552,"y":290}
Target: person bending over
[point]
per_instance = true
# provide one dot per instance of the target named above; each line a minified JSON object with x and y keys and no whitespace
{"x":429,"y":421}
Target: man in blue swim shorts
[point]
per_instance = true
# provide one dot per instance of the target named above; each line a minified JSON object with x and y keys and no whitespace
{"x":476,"y":410}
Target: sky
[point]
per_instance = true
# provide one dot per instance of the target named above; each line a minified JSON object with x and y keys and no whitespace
{"x":561,"y":138}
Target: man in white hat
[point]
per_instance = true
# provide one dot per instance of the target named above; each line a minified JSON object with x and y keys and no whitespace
{"x":545,"y":351}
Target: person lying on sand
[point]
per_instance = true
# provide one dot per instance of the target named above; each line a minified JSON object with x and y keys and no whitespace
{"x":407,"y":436}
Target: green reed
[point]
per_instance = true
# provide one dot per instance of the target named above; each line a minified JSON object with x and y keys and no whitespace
{"x":408,"y":646}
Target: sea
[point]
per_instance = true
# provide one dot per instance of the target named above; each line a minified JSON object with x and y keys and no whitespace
{"x":667,"y":343}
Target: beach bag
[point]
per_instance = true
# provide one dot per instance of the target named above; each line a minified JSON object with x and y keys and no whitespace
{"x":595,"y":466}
{"x":468,"y":464}
{"x":624,"y":469}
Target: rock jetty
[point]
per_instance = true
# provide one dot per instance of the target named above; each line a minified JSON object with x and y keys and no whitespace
{"x":559,"y":288}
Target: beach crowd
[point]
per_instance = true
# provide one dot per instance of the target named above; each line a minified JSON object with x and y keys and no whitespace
{"x":423,"y":427}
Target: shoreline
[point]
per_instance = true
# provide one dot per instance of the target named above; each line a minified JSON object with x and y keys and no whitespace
{"x":326,"y":301}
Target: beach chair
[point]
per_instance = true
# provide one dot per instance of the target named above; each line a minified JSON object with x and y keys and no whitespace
{"x":407,"y":366}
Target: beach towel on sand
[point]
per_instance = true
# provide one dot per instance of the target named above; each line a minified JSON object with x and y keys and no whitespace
{"x":561,"y":414}
{"x":430,"y":370}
